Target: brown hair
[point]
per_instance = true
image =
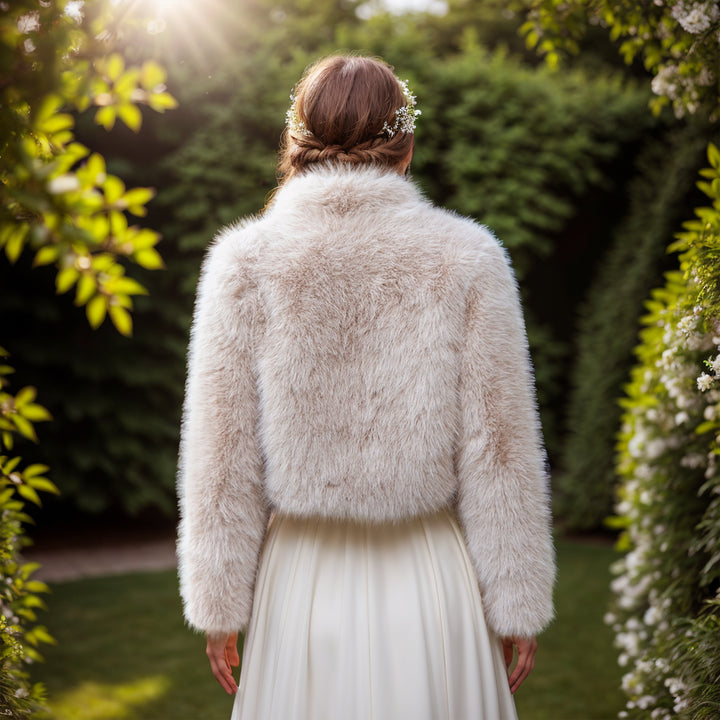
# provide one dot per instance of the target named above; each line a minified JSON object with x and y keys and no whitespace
{"x":344,"y":101}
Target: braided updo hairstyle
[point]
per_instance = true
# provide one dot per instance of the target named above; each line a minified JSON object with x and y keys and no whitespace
{"x":344,"y":102}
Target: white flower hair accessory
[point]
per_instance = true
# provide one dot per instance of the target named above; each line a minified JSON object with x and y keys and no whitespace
{"x":404,"y":116}
{"x":292,"y":118}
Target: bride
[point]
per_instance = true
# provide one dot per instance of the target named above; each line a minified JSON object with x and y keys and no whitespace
{"x":362,"y":484}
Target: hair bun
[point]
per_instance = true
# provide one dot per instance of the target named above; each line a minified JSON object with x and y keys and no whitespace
{"x":341,"y":111}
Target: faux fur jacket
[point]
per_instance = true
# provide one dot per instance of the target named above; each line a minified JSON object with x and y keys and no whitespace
{"x":358,"y":353}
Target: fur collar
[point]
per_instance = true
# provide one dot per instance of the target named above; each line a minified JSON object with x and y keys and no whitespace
{"x":336,"y":188}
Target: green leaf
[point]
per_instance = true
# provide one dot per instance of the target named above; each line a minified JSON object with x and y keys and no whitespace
{"x":114,"y":66}
{"x":128,"y":286}
{"x":114,"y":188}
{"x":152,"y":75}
{"x":103,"y":262}
{"x":34,"y":470}
{"x":44,"y":485}
{"x":66,"y":278}
{"x":126,"y":86}
{"x":149,"y":258}
{"x":56,"y":123}
{"x":10,"y":465}
{"x":33,"y":654}
{"x":48,"y":107}
{"x":138,"y":196}
{"x":29,"y":493}
{"x":26,"y":395}
{"x":705,"y":187}
{"x":105,"y":116}
{"x":36,"y":413}
{"x":36,"y":586}
{"x":130,"y":114}
{"x":96,"y":310}
{"x":34,"y":601}
{"x":121,"y":319}
{"x":96,"y":169}
{"x":706,"y":426}
{"x":713,"y":155}
{"x":24,"y":427}
{"x":46,"y":255}
{"x":145,"y":239}
{"x":6,"y":495}
{"x":15,"y":241}
{"x":162,"y":101}
{"x":86,"y":287}
{"x":27,"y":613}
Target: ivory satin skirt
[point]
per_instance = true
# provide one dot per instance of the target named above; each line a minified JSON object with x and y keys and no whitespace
{"x":369,"y":622}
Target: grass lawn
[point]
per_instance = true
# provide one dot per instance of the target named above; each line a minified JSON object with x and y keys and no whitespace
{"x":123,"y":651}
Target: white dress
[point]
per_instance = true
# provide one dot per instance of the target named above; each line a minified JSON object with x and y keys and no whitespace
{"x":369,"y":622}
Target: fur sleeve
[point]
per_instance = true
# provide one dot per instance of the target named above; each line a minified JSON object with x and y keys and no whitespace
{"x":503,"y":499}
{"x":222,"y":508}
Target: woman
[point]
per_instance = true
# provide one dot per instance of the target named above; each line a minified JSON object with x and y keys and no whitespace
{"x":362,"y":482}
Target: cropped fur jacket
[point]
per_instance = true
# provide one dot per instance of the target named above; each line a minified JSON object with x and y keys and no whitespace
{"x":359,"y":354}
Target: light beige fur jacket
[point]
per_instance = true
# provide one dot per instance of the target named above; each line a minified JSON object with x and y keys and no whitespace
{"x":358,"y":353}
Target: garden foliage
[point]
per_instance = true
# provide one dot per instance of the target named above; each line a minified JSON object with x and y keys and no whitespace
{"x":59,"y":204}
{"x":677,"y":41}
{"x":667,"y":610}
{"x":608,"y":324}
{"x":20,"y":634}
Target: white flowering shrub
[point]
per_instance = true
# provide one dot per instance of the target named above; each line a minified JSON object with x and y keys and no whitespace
{"x":666,"y":613}
{"x":677,"y":40}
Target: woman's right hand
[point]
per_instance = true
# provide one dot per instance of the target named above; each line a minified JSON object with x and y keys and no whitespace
{"x":223,"y":655}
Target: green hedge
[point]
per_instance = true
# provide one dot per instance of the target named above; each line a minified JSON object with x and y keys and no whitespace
{"x":608,"y":323}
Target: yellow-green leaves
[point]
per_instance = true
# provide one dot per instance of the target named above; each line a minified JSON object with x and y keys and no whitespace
{"x":118,"y":91}
{"x":70,"y":215}
{"x":18,"y":413}
{"x":12,"y":239}
{"x":122,"y":319}
{"x":96,"y":310}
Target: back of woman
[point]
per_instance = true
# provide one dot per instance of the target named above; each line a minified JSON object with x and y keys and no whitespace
{"x":362,"y":480}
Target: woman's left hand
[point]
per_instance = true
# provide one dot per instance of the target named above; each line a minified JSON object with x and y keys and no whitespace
{"x":527,"y":647}
{"x":223,"y":655}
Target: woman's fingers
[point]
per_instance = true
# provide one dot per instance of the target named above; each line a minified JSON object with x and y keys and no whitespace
{"x":222,"y":654}
{"x":527,"y":647}
{"x":507,"y":646}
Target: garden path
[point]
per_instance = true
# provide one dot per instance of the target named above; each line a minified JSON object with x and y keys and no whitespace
{"x":73,"y":563}
{"x":88,"y":550}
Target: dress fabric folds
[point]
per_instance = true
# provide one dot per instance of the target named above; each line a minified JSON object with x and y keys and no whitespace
{"x":354,"y":621}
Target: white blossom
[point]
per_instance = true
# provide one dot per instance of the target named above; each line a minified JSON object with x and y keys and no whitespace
{"x":665,"y":83}
{"x":63,"y":183}
{"x":705,"y":382}
{"x":695,"y":18}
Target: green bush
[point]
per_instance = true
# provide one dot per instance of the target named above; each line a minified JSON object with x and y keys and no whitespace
{"x":608,"y":324}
